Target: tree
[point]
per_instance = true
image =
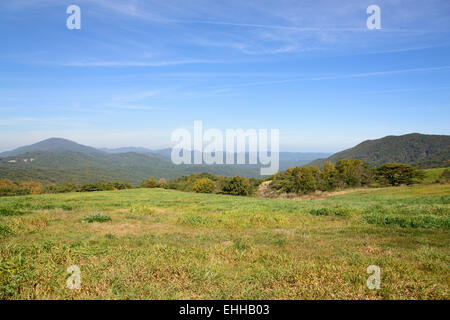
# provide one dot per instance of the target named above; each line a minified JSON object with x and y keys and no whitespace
{"x":236,"y":186}
{"x":397,"y":173}
{"x":329,"y":176}
{"x":204,"y":185}
{"x":306,"y":179}
{"x":150,"y":183}
{"x":354,"y":173}
{"x":118,"y":185}
{"x":162,"y":183}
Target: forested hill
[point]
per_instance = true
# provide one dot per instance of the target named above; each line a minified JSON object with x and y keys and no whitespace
{"x":420,"y":149}
{"x":59,"y":160}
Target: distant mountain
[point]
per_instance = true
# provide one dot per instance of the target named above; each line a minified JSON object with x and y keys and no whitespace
{"x":295,"y":159}
{"x":59,"y":160}
{"x":287,"y":159}
{"x":419,"y":149}
{"x":51,"y":145}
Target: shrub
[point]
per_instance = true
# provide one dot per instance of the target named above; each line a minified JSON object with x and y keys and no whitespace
{"x":237,"y":186}
{"x":97,"y":186}
{"x":204,"y":185}
{"x":61,"y":188}
{"x":118,"y":185}
{"x":150,"y":183}
{"x":186,"y":183}
{"x":162,"y":183}
{"x":13,"y":188}
{"x":97,"y":217}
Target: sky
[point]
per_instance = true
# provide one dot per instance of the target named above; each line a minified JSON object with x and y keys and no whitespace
{"x":139,"y":69}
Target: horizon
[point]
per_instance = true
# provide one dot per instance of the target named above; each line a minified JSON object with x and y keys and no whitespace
{"x":135,"y":72}
{"x":101,"y":148}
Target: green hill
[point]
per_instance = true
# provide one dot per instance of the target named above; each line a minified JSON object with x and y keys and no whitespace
{"x":79,"y":167}
{"x":420,"y":149}
{"x":59,"y":160}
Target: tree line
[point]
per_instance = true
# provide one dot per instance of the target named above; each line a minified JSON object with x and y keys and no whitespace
{"x":348,"y":173}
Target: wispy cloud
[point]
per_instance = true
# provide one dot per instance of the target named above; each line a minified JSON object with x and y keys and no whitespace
{"x":406,"y":90}
{"x":339,"y":76}
{"x":136,"y":107}
{"x":33,"y":120}
{"x":137,"y":63}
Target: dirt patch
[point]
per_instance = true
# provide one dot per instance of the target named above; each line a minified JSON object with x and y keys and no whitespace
{"x":121,"y":211}
{"x":284,"y":231}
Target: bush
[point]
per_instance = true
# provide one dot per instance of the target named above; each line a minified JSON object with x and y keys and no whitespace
{"x":236,"y":186}
{"x":118,"y":185}
{"x":204,"y":185}
{"x":61,"y":188}
{"x":162,"y":183}
{"x":186,"y":183}
{"x":150,"y":183}
{"x":13,"y":188}
{"x":97,"y":217}
{"x":348,"y":173}
{"x":97,"y":186}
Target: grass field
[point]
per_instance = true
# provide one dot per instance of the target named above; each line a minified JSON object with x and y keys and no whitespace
{"x":163,"y":244}
{"x":432,"y":175}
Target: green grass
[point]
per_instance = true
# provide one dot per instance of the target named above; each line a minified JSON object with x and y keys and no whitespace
{"x":97,"y":217}
{"x":164,"y":244}
{"x":431,"y":175}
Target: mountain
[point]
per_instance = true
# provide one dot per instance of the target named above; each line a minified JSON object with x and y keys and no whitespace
{"x":51,"y":145}
{"x":287,"y":159}
{"x":59,"y":160}
{"x":415,"y":148}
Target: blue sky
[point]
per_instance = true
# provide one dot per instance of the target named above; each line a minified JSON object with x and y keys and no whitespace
{"x":137,"y":70}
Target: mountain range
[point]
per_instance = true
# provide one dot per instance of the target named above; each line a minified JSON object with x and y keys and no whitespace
{"x":58,"y":160}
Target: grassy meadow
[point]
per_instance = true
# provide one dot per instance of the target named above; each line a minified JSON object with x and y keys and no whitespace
{"x":165,"y":244}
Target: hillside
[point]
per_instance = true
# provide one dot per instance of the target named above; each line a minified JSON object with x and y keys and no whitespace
{"x":79,"y":167}
{"x":59,"y":160}
{"x":420,"y":149}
